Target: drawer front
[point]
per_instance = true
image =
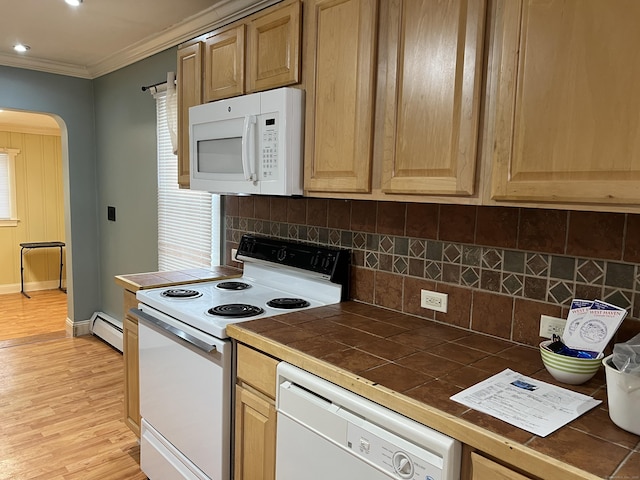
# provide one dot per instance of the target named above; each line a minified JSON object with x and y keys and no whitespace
{"x":258,"y":370}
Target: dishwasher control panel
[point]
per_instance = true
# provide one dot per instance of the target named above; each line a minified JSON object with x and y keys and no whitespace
{"x":398,"y":457}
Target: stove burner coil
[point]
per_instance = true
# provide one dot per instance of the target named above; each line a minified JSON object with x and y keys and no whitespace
{"x":288,"y":303}
{"x":180,"y":293}
{"x":236,"y":310}
{"x":233,"y":286}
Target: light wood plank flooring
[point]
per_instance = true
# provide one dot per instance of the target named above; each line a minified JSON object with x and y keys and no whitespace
{"x":61,"y":404}
{"x":28,"y":319}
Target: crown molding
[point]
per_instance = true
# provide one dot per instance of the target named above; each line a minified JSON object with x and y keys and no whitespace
{"x":222,"y":13}
{"x":31,"y":63}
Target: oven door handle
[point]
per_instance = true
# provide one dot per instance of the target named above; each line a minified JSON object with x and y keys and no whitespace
{"x":184,"y":336}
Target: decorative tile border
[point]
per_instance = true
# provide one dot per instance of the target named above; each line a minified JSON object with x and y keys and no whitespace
{"x":550,"y":278}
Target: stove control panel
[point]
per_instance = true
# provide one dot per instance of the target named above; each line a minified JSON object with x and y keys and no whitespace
{"x":332,"y":263}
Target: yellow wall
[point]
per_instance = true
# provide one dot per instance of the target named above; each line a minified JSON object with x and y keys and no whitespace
{"x":39,"y":196}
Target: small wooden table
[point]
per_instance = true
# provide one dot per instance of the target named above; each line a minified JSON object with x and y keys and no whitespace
{"x":25,"y":247}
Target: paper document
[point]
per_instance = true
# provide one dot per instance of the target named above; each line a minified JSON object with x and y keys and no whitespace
{"x":592,"y":326}
{"x":535,"y":406}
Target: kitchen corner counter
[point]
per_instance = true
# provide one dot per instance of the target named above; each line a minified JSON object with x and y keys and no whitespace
{"x":139,"y":281}
{"x":413,"y":366}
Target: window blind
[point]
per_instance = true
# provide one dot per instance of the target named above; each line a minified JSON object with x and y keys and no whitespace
{"x":188,"y":221}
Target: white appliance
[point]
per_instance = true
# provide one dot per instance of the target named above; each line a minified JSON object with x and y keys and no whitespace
{"x":248,"y":145}
{"x":186,"y":359}
{"x":325,"y":431}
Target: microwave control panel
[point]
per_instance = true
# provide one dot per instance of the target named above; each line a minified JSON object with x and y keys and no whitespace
{"x":269,"y":151}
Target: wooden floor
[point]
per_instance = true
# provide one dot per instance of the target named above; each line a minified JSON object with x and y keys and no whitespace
{"x":45,"y":313}
{"x":61,"y":398}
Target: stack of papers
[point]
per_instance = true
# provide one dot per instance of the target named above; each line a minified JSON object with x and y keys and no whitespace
{"x":535,"y":406}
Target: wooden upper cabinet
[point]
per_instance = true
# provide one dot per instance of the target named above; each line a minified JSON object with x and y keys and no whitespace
{"x":567,"y":127}
{"x":274,"y":48}
{"x":224,"y":64}
{"x":432,"y":98}
{"x":341,"y":60}
{"x":189,"y":90}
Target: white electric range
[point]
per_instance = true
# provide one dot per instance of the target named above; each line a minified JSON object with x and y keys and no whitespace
{"x":186,"y":359}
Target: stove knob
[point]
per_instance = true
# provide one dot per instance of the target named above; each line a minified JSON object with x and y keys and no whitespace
{"x":282,"y":254}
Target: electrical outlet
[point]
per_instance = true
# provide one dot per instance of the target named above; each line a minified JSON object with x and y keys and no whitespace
{"x":550,"y":325}
{"x":433,"y":300}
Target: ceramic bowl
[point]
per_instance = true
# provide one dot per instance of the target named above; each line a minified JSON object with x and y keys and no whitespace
{"x":570,"y":370}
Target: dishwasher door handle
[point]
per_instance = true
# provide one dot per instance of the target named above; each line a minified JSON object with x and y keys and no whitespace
{"x":184,"y":336}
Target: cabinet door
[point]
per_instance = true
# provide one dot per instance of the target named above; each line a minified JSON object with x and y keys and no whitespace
{"x":567,"y":126}
{"x":131,"y":374}
{"x":189,"y":89}
{"x":341,"y":77}
{"x":432,"y":98}
{"x":255,"y":446}
{"x":274,"y":49}
{"x":224,"y":64}
{"x":485,"y":469}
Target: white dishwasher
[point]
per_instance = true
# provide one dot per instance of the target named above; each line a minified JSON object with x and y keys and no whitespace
{"x":326,"y":432}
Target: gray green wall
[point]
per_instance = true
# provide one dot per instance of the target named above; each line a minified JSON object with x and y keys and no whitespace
{"x":109,"y":141}
{"x":127,"y":172}
{"x":70,"y":99}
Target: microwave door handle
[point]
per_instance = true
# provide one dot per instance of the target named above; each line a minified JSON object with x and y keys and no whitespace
{"x":248,"y":160}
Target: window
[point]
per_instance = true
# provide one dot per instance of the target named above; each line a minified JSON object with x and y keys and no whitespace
{"x":188,"y":220}
{"x":8,"y":209}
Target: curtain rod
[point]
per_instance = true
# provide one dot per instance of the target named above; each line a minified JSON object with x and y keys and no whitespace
{"x":144,"y":89}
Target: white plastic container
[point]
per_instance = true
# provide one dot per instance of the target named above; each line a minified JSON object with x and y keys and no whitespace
{"x":623,"y":394}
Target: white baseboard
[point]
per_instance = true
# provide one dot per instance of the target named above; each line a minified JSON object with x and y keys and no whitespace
{"x":30,"y":287}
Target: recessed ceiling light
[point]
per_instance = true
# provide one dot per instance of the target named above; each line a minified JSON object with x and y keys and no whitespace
{"x":19,"y":47}
{"x":73,"y":3}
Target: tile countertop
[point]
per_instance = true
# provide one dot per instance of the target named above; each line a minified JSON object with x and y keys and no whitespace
{"x":139,"y":281}
{"x":413,"y":366}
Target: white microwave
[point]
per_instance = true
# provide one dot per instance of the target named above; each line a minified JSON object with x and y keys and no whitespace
{"x":248,"y":145}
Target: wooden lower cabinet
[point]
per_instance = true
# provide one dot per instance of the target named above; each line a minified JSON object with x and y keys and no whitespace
{"x":482,"y":468}
{"x":131,"y":363}
{"x":255,"y":445}
{"x":255,"y":416}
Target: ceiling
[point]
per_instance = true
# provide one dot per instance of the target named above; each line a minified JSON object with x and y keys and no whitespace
{"x":101,"y":36}
{"x":26,"y":122}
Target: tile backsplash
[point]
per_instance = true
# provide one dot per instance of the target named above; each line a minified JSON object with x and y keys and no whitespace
{"x":502,"y":267}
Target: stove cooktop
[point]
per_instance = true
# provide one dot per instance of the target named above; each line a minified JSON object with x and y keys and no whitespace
{"x":195,"y":310}
{"x":279,"y":277}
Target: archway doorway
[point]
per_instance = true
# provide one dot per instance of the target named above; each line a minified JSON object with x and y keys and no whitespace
{"x":37,"y":191}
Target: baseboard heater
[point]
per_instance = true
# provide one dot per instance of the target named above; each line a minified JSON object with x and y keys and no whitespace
{"x":107,"y":328}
